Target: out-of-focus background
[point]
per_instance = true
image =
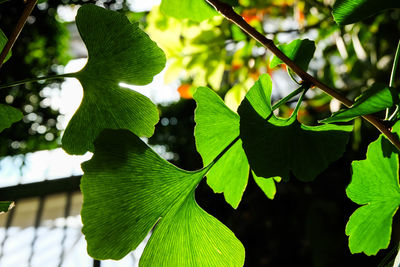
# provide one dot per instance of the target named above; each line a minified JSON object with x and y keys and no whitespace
{"x":303,"y":225}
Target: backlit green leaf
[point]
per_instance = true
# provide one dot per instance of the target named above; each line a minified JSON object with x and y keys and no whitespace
{"x":300,"y":51}
{"x":377,"y":98}
{"x":196,"y":10}
{"x":351,"y":11}
{"x":276,"y":147}
{"x":216,"y":127}
{"x":119,"y":52}
{"x":375,"y":185}
{"x":6,"y":206}
{"x":189,"y":236}
{"x":3,"y":41}
{"x":267,"y":185}
{"x":8,"y":115}
{"x":128,"y":189}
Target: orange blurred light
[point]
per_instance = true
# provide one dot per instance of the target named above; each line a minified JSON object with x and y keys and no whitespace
{"x":185,"y":91}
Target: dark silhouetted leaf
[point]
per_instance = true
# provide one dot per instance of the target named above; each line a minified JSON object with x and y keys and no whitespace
{"x":276,"y":147}
{"x":300,"y":51}
{"x":351,"y":11}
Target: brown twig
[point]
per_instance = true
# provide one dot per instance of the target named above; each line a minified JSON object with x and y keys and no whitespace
{"x":17,"y":30}
{"x":228,"y":12}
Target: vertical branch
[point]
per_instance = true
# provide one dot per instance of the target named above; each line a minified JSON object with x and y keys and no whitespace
{"x":228,"y":12}
{"x":17,"y":30}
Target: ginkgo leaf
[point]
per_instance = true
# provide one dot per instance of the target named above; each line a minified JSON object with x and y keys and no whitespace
{"x":375,"y":185}
{"x":377,"y":98}
{"x":276,"y":147}
{"x":267,"y":185}
{"x":6,"y":206}
{"x":300,"y":51}
{"x":216,"y":128}
{"x":191,"y":237}
{"x":3,"y":41}
{"x":119,"y":52}
{"x":128,"y":189}
{"x":351,"y":11}
{"x":8,"y":115}
{"x":196,"y":10}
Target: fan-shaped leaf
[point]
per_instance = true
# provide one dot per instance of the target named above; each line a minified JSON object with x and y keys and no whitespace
{"x":300,"y":51}
{"x":276,"y":147}
{"x":216,"y":127}
{"x":118,"y":52}
{"x":196,"y":10}
{"x":351,"y":11}
{"x":377,"y":98}
{"x":375,"y":185}
{"x":128,"y":189}
{"x":188,"y":236}
{"x":267,"y":185}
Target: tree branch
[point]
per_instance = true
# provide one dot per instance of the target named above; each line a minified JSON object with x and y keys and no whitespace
{"x":228,"y":12}
{"x":17,"y":30}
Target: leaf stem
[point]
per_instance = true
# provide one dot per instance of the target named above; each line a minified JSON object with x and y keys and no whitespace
{"x":17,"y":30}
{"x":224,"y":151}
{"x":291,"y":75}
{"x":392,"y":80}
{"x":288,"y":97}
{"x":303,"y":87}
{"x":228,"y":12}
{"x":395,"y":65}
{"x":65,"y":75}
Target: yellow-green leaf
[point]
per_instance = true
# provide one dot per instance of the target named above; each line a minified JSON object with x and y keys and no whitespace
{"x":375,"y":186}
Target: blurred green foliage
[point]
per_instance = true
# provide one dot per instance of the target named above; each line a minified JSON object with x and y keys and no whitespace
{"x":41,"y":49}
